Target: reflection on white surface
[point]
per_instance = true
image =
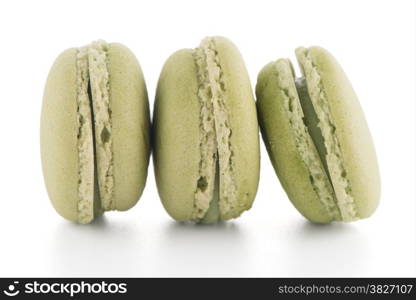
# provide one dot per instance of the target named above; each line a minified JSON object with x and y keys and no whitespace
{"x":314,"y":249}
{"x":123,"y":248}
{"x":203,"y":250}
{"x":100,"y":248}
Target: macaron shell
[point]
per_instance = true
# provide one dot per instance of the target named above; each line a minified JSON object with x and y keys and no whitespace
{"x":281,"y":144}
{"x":243,"y":122}
{"x":130,"y":125}
{"x":58,"y":135}
{"x":352,"y":131}
{"x":176,"y":135}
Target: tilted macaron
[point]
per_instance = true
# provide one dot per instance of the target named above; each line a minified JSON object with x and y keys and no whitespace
{"x":206,"y":138}
{"x":95,"y":131}
{"x":317,"y":138}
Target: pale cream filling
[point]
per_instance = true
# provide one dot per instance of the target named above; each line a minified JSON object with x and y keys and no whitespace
{"x":303,"y":141}
{"x":100,"y":92}
{"x":215,"y":135}
{"x":337,"y":171}
{"x":85,"y":141}
{"x":93,"y":99}
{"x":207,"y":141}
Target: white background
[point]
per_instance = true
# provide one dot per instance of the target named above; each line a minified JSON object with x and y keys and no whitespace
{"x":374,"y":42}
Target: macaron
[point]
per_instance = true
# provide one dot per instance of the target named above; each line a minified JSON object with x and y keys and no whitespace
{"x":317,"y":138}
{"x":205,"y":132}
{"x":95,"y":131}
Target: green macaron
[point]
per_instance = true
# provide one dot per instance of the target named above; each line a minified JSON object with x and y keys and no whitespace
{"x":317,"y":138}
{"x":95,"y":131}
{"x":206,"y":137}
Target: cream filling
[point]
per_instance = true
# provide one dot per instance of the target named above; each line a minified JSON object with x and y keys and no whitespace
{"x":334,"y":159}
{"x":207,"y":141}
{"x":85,"y":141}
{"x":303,"y":141}
{"x":100,"y":92}
{"x":93,"y":99}
{"x":215,"y":135}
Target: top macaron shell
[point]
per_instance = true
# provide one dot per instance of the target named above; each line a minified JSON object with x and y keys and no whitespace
{"x":130,"y":131}
{"x":176,"y":130}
